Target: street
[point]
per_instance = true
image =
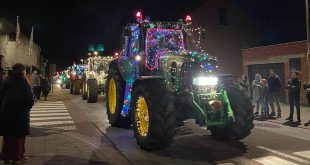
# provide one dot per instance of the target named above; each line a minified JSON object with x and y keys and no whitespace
{"x":67,"y":130}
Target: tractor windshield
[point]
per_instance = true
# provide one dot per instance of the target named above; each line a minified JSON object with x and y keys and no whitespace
{"x":163,"y":40}
{"x":160,"y":41}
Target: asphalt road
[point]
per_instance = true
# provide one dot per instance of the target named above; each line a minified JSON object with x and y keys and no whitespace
{"x":268,"y":144}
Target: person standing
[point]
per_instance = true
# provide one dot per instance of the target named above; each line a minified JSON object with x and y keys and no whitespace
{"x":35,"y":83}
{"x":257,"y":89}
{"x":17,"y":100}
{"x":293,"y":86}
{"x":274,"y":84}
{"x":243,"y":82}
{"x":306,"y":87}
{"x":45,"y":87}
{"x":41,"y":84}
{"x":264,"y":97}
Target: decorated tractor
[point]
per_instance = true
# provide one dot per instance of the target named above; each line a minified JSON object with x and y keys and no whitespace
{"x":64,"y":76}
{"x":94,"y":77}
{"x":76,"y":73}
{"x":157,"y":83}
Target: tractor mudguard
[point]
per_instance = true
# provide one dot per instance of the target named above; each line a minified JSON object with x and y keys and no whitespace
{"x":125,"y":67}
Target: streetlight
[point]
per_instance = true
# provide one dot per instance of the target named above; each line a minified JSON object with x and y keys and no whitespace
{"x":95,"y":53}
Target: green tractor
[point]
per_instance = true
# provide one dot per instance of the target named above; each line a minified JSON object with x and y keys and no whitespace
{"x":94,"y":77}
{"x":76,"y":72}
{"x":157,"y":83}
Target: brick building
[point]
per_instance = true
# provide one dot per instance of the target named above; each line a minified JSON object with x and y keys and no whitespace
{"x":11,"y":54}
{"x":228,"y":30}
{"x":284,"y":58}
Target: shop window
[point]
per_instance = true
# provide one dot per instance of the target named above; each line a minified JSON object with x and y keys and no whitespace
{"x":222,"y":16}
{"x":295,"y":64}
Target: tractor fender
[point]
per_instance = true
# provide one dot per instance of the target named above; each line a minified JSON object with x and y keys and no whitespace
{"x":125,"y":67}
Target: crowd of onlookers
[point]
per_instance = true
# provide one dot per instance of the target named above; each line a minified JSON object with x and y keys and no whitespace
{"x":266,"y":93}
{"x":18,"y":92}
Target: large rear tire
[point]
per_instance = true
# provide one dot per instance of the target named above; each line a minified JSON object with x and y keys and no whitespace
{"x":153,"y":115}
{"x":92,"y":91}
{"x":76,"y":86}
{"x":84,"y":90}
{"x":115,"y":98}
{"x":71,"y":87}
{"x":243,"y":113}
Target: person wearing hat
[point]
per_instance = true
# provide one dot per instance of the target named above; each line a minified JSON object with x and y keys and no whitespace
{"x":293,"y":86}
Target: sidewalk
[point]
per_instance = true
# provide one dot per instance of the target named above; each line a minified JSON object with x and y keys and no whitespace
{"x":62,"y":134}
{"x":285,"y":110}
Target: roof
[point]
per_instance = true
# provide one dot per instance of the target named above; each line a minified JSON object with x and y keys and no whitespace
{"x":6,"y":26}
{"x":275,"y":45}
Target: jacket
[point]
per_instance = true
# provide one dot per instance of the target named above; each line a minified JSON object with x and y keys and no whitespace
{"x":293,"y":86}
{"x":274,"y":84}
{"x":16,"y":101}
{"x":35,"y":80}
{"x":257,"y":90}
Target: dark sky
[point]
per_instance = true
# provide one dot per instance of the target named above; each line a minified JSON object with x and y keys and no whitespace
{"x":65,"y":28}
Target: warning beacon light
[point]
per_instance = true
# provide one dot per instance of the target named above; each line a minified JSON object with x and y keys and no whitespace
{"x":139,"y":16}
{"x":188,"y":19}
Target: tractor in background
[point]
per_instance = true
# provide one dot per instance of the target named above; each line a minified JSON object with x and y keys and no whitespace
{"x":76,"y":73}
{"x":94,"y":77}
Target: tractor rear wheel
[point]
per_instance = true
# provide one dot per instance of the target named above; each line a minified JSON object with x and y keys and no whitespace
{"x":243,"y":113}
{"x":84,"y":90}
{"x":115,"y":91}
{"x":76,"y":86}
{"x":71,"y":87}
{"x":153,"y":115}
{"x":92,"y":91}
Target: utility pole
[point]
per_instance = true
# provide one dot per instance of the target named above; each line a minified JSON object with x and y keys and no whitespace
{"x":308,"y":34}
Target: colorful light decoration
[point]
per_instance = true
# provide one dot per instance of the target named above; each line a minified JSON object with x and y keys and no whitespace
{"x":188,"y":19}
{"x":139,"y":16}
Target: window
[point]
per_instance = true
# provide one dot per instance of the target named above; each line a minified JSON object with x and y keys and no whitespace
{"x":12,"y":36}
{"x":222,"y":16}
{"x":295,"y":64}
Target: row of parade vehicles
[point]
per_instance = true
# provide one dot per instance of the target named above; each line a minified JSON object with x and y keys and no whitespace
{"x":87,"y":78}
{"x":158,"y":82}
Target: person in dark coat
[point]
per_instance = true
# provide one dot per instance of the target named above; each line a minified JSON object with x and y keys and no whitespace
{"x":306,"y":87}
{"x":293,"y":86}
{"x":274,"y":84}
{"x":45,"y":87}
{"x":17,"y":100}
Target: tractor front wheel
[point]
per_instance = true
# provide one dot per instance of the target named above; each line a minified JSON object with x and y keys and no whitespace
{"x":92,"y":91}
{"x":115,"y":98}
{"x":153,"y":115}
{"x":243,"y":114}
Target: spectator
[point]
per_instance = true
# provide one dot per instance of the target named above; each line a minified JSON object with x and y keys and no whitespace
{"x":257,"y":89}
{"x":306,"y":87}
{"x":1,"y":75}
{"x":45,"y":87}
{"x":274,"y":84}
{"x":17,"y":100}
{"x":243,"y":82}
{"x":264,"y":97}
{"x":35,"y":84}
{"x":293,"y":86}
{"x":41,"y":84}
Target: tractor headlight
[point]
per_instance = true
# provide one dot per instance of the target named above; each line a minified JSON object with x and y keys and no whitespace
{"x":205,"y":81}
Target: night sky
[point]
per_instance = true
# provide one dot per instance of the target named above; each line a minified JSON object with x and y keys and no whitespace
{"x":65,"y":28}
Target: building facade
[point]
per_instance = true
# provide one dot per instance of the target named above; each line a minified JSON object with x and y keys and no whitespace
{"x":284,"y":58}
{"x":228,"y":30}
{"x":11,"y":53}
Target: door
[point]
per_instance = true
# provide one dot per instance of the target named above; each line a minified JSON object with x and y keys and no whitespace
{"x":263,"y":69}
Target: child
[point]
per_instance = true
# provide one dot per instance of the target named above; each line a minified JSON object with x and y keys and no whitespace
{"x":264,"y":98}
